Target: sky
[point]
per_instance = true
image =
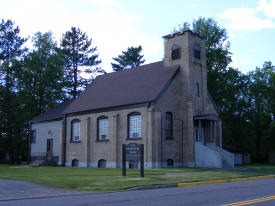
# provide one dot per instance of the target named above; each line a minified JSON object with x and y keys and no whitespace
{"x":115,"y":25}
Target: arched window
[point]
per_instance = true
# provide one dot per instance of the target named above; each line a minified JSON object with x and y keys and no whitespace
{"x":176,"y":52}
{"x":74,"y":163}
{"x":101,"y":163}
{"x":134,"y":125}
{"x":197,"y":51}
{"x":102,"y":128}
{"x":75,"y":130}
{"x":197,"y":89}
{"x":170,"y":163}
{"x":169,"y":125}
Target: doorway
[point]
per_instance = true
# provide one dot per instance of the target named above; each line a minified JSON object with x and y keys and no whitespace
{"x":49,"y":149}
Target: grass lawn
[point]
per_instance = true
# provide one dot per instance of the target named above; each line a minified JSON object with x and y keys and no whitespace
{"x":111,"y":179}
{"x":260,"y":167}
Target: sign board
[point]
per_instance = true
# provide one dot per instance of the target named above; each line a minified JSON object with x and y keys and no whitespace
{"x":133,"y":152}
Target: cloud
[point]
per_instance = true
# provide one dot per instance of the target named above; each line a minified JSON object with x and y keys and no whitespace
{"x":111,"y":27}
{"x":268,"y":7}
{"x":192,"y":6}
{"x":245,"y":19}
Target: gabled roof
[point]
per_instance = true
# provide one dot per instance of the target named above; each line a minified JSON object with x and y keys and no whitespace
{"x":133,"y":86}
{"x":54,"y":113}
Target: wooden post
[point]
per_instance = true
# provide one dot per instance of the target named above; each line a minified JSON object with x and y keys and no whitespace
{"x":123,"y":160}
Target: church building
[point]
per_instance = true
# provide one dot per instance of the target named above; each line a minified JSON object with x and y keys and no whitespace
{"x":163,"y":105}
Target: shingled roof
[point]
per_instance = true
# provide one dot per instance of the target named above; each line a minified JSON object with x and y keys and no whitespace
{"x":133,"y":86}
{"x":54,"y":113}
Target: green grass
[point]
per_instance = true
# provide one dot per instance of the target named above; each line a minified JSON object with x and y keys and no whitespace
{"x":260,"y":167}
{"x":111,"y":179}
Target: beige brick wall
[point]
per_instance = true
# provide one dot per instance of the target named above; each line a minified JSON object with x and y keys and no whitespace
{"x":89,"y":152}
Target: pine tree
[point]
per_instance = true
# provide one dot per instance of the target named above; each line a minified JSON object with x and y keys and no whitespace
{"x":11,"y":52}
{"x":80,"y":57}
{"x":128,"y":59}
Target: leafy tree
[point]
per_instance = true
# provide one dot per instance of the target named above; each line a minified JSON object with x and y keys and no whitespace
{"x":11,"y":52}
{"x":80,"y":56}
{"x":261,"y":86}
{"x":234,"y":111}
{"x":41,"y":83}
{"x":128,"y":59}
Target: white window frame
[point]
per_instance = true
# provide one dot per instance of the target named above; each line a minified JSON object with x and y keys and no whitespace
{"x":102,"y":128}
{"x":75,"y":124}
{"x":134,"y":125}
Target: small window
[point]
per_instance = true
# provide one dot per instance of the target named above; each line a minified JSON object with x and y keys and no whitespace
{"x":75,"y":126}
{"x":134,"y":125}
{"x":169,"y":125}
{"x":170,"y":163}
{"x":176,"y":52}
{"x":74,"y":163}
{"x":197,"y":89}
{"x":102,"y":128}
{"x":197,"y":51}
{"x":33,"y":136}
{"x":101,"y":163}
{"x":133,"y":164}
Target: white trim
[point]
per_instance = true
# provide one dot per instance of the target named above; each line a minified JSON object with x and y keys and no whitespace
{"x":189,"y":164}
{"x":68,"y":164}
{"x":82,"y":164}
{"x":147,"y":165}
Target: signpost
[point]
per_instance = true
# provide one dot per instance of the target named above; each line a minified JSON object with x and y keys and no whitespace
{"x":133,"y":152}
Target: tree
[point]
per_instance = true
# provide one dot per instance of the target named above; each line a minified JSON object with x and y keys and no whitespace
{"x":128,"y":59}
{"x":11,"y":52}
{"x":79,"y":56}
{"x":42,"y":80}
{"x":261,"y":87}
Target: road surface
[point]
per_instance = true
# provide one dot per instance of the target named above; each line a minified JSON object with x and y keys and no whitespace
{"x":250,"y":192}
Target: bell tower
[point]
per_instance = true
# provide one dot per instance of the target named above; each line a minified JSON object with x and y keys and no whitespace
{"x":187,"y":49}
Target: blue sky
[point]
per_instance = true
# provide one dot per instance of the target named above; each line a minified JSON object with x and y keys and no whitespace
{"x":115,"y":25}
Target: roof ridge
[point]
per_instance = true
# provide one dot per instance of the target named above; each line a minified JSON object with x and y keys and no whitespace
{"x":129,"y":69}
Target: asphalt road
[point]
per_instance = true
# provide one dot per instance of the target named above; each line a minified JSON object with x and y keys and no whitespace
{"x":209,"y":195}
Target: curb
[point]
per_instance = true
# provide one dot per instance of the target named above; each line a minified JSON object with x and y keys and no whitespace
{"x":151,"y":187}
{"x":223,"y":181}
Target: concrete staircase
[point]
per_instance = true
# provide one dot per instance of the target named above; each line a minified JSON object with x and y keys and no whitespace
{"x":228,"y":159}
{"x":210,"y":155}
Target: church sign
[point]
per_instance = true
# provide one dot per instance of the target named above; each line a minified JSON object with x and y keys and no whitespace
{"x":133,"y":152}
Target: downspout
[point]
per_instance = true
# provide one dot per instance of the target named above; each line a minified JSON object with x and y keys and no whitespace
{"x":29,"y":142}
{"x":160,"y":137}
{"x":64,"y":139}
{"x":182,"y":143}
{"x":146,"y":160}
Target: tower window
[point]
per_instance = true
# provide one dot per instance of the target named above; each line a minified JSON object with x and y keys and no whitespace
{"x":175,"y":52}
{"x":169,"y":125}
{"x":197,"y":89}
{"x":197,"y":51}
